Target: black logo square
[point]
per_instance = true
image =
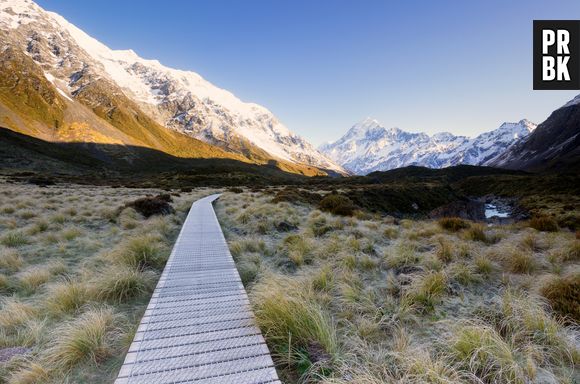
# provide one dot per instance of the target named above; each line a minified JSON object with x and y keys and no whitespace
{"x":556,"y":54}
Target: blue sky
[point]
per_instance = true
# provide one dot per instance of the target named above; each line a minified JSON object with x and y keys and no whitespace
{"x":322,"y":65}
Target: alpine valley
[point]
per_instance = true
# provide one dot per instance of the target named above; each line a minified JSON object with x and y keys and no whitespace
{"x":59,"y":85}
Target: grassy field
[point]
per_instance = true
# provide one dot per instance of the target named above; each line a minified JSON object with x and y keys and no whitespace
{"x":374,"y":299}
{"x":361,"y":298}
{"x":76,"y":273}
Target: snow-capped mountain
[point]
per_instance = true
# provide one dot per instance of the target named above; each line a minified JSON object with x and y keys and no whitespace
{"x":82,"y":69}
{"x":368,"y":146}
{"x":554,"y":145}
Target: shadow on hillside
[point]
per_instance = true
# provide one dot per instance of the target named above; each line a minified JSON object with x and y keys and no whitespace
{"x":22,"y":153}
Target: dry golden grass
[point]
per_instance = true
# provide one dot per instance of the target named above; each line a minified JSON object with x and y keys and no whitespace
{"x":368,"y":299}
{"x":75,"y":275}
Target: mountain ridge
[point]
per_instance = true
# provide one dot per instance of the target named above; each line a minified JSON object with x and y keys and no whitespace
{"x":368,"y":146}
{"x":140,"y":96}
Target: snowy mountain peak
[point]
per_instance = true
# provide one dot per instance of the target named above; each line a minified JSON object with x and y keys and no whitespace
{"x":368,"y":147}
{"x":177,"y":99}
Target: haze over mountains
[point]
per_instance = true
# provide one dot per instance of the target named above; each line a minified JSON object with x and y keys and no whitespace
{"x":88,"y":92}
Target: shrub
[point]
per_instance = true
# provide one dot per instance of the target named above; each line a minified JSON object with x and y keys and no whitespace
{"x":337,"y":204}
{"x":89,"y":337}
{"x":562,"y":292}
{"x":544,"y":224}
{"x":152,"y":205}
{"x":453,"y":224}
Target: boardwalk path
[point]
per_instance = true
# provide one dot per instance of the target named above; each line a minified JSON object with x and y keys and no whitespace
{"x":198,"y":327}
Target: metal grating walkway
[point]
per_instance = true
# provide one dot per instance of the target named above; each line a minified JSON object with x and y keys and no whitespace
{"x":198,"y":326}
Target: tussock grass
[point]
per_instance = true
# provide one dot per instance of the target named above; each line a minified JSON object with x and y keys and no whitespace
{"x":141,"y":252}
{"x":14,"y":239}
{"x":66,"y":296}
{"x":10,"y":260}
{"x":484,"y":352}
{"x":427,"y":290}
{"x":544,"y":224}
{"x":404,"y":254}
{"x":521,"y":262}
{"x":31,"y":373}
{"x":293,"y":321}
{"x":476,"y":233}
{"x":453,"y":224}
{"x":15,"y":314}
{"x":32,"y":278}
{"x":562,"y":292}
{"x":122,"y":283}
{"x":53,"y":263}
{"x":89,"y":337}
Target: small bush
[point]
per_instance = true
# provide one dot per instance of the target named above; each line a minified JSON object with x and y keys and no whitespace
{"x":562,"y":292}
{"x":337,"y":204}
{"x":152,"y":205}
{"x":544,"y":224}
{"x":453,"y":224}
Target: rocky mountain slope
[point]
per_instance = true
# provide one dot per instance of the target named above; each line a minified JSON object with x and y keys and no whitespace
{"x":368,"y":146}
{"x":59,"y":84}
{"x":554,"y":145}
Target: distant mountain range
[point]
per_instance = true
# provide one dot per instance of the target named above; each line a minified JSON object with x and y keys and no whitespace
{"x":59,"y":84}
{"x":368,"y":146}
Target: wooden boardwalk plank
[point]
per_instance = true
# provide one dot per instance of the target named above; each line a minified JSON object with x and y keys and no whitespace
{"x":198,"y":326}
